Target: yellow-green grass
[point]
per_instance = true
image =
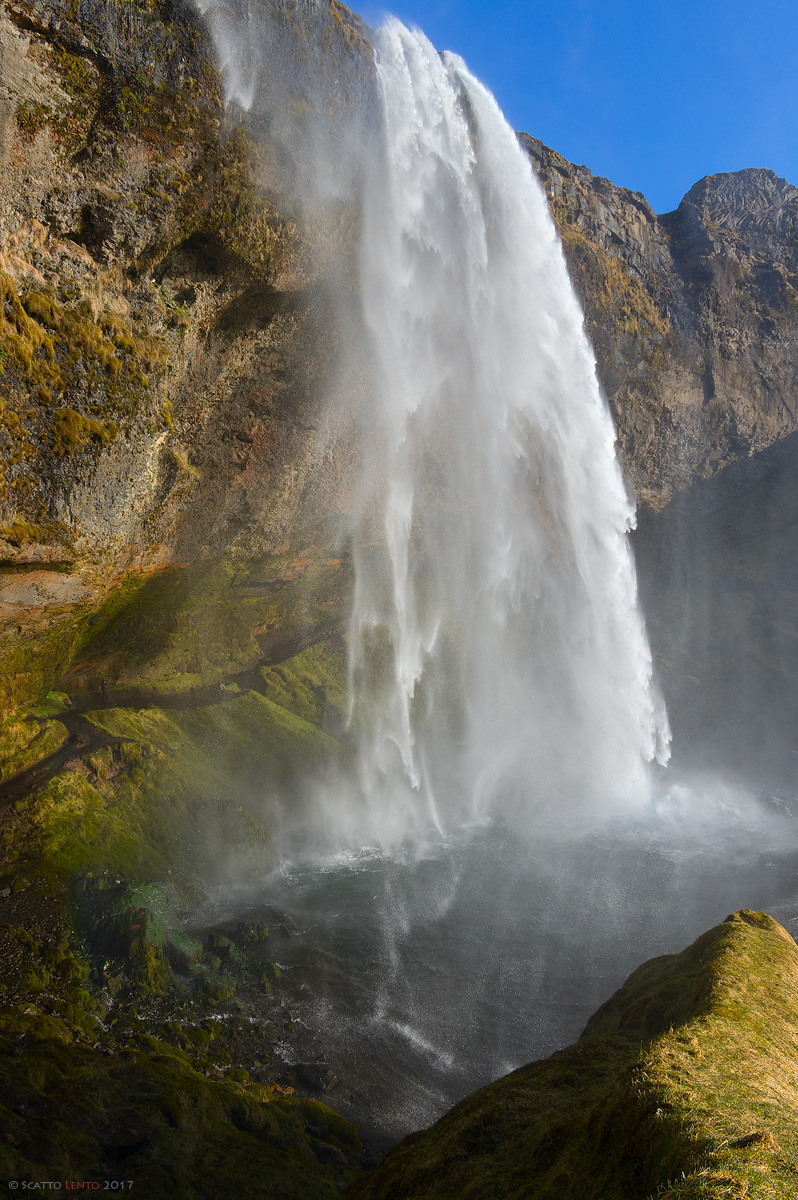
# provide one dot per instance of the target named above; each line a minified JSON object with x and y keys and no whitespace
{"x":684,"y":1084}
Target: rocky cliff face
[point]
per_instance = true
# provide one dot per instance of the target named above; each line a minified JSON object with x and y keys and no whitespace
{"x":162,"y":352}
{"x":167,"y":495}
{"x":693,"y":315}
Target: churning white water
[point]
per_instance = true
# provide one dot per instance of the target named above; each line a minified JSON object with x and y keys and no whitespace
{"x":498,"y":660}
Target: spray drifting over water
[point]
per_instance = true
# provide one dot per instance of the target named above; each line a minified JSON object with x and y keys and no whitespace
{"x":498,"y":661}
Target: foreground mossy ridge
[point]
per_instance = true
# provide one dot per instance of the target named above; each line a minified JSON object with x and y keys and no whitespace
{"x":683,"y":1085}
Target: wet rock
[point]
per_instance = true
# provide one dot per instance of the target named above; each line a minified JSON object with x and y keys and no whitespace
{"x":327,"y":1153}
{"x":183,"y":950}
{"x":314,"y":1077}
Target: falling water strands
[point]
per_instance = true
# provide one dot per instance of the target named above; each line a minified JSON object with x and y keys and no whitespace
{"x":498,"y":661}
{"x":514,"y":668}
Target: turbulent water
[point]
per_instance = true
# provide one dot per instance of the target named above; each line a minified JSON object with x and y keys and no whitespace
{"x":497,"y":858}
{"x":421,"y":980}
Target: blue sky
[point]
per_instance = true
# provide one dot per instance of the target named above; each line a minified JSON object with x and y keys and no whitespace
{"x":652,"y":94}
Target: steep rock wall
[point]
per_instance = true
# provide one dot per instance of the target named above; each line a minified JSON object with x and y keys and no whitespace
{"x":693,"y":315}
{"x":169,"y":334}
{"x":162,"y":348}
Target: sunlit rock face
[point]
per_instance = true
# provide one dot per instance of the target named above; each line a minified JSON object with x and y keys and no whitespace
{"x":692,"y":315}
{"x":163,"y":352}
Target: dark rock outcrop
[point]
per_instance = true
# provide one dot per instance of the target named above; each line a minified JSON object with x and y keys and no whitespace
{"x":693,"y":315}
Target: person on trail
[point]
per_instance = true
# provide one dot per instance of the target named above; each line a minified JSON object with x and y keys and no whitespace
{"x":104,"y":690}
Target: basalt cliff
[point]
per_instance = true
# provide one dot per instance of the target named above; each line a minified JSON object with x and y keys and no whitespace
{"x":692,"y":315}
{"x":172,"y":588}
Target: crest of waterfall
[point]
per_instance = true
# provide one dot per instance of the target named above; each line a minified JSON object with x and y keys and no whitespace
{"x":498,"y":661}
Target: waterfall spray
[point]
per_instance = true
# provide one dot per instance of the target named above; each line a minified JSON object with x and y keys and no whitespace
{"x":498,"y":660}
{"x":498,"y":663}
{"x":492,"y":859}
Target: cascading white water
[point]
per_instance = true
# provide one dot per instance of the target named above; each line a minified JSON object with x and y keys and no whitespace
{"x":498,"y":660}
{"x":499,"y":667}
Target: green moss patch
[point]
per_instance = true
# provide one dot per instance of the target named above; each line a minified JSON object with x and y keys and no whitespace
{"x":144,"y":1110}
{"x":175,"y":628}
{"x":177,"y":787}
{"x":71,"y":431}
{"x":32,"y":661}
{"x":70,"y":121}
{"x":222,"y":750}
{"x":56,"y":348}
{"x":179,"y":629}
{"x":68,"y":385}
{"x":22,"y":533}
{"x":312,"y":685}
{"x":139,"y":811}
{"x":31,"y":117}
{"x":52,"y":704}
{"x":24,"y":742}
{"x":75,"y":824}
{"x":682,"y":1085}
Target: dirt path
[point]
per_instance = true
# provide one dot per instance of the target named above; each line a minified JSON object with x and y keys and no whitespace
{"x":84,"y":737}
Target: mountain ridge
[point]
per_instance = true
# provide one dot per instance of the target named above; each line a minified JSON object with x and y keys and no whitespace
{"x":693,"y":315}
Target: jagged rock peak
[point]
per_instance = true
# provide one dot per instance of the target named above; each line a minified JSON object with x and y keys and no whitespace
{"x":738,"y":197}
{"x":692,"y":314}
{"x":545,"y":159}
{"x":754,"y":203}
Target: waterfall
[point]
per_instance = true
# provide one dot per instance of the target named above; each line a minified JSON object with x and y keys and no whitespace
{"x":498,"y":661}
{"x":497,"y":851}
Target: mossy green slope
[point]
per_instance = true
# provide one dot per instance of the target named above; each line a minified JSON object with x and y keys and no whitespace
{"x":143,"y":1110}
{"x":23,"y":742}
{"x":123,"y":1051}
{"x":143,"y":807}
{"x":684,"y":1084}
{"x":176,"y":629}
{"x":179,"y":792}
